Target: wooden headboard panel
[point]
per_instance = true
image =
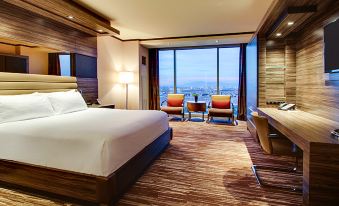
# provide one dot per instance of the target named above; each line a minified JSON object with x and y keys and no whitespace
{"x":15,"y":83}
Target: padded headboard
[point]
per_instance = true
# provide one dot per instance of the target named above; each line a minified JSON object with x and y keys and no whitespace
{"x":15,"y":83}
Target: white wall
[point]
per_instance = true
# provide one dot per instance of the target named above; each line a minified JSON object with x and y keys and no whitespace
{"x":115,"y":56}
{"x":38,"y":60}
{"x":144,"y":72}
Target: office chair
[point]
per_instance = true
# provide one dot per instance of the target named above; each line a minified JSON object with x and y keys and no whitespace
{"x":272,"y":144}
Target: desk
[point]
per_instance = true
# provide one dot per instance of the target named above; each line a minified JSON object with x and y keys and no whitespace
{"x":320,"y":152}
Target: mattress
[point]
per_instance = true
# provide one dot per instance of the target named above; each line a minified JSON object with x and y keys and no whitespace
{"x":95,"y":141}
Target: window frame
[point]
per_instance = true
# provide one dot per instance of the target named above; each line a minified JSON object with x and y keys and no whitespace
{"x":218,"y":47}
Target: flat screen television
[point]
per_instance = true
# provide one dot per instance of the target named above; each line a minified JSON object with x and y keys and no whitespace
{"x":85,"y":66}
{"x":331,"y":47}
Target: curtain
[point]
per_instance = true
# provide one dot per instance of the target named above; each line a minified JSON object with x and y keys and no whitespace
{"x":72,"y":58}
{"x":154,"y":98}
{"x":242,"y":83}
{"x":54,"y":64}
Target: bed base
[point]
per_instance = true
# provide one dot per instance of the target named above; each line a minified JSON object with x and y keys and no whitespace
{"x":82,"y":187}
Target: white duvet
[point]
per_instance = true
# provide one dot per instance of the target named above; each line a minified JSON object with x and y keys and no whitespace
{"x":95,"y":141}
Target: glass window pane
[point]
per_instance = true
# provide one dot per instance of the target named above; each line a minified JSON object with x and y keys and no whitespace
{"x":166,"y":73}
{"x":65,"y":65}
{"x":197,"y":73}
{"x":229,"y":73}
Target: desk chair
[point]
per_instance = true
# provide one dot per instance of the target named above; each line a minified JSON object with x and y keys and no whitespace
{"x":272,"y":144}
{"x":175,"y":105}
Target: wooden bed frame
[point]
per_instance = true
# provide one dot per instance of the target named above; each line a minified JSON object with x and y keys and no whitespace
{"x":67,"y":184}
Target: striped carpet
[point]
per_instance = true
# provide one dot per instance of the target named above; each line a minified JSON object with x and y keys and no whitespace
{"x":206,"y":164}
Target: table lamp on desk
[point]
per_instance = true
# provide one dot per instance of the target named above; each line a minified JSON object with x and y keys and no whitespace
{"x":126,"y":78}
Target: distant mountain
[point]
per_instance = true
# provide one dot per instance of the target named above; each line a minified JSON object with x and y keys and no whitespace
{"x":206,"y":84}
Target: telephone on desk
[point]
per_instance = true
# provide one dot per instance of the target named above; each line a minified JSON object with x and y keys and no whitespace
{"x":285,"y":106}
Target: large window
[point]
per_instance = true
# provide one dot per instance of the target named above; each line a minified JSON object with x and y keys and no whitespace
{"x":196,"y":72}
{"x":229,"y":72}
{"x":166,"y":74}
{"x":203,"y":71}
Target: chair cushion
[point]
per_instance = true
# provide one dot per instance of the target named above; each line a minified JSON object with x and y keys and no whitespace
{"x":220,"y":112}
{"x":221,"y":101}
{"x":172,"y":110}
{"x":174,"y":102}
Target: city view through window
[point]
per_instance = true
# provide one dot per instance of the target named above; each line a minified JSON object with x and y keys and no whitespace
{"x":195,"y":71}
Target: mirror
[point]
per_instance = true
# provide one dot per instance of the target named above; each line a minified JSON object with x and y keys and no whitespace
{"x":23,"y":57}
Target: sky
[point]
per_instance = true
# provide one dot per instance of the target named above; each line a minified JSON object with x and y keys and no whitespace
{"x":198,"y":67}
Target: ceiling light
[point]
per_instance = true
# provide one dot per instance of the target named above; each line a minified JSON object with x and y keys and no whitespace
{"x":217,"y":41}
{"x":290,"y":23}
{"x":278,"y":34}
{"x":100,"y":30}
{"x":70,"y":17}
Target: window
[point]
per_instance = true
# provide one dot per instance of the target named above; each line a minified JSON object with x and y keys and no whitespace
{"x":229,"y":73}
{"x":204,"y":71}
{"x":166,"y":74}
{"x":65,"y":64}
{"x":196,"y":71}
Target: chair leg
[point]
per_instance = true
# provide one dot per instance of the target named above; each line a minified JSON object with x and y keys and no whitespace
{"x":183,"y":117}
{"x":263,"y":184}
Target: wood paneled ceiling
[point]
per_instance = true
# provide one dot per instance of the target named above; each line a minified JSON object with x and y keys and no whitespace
{"x":69,"y":13}
{"x":281,"y":6}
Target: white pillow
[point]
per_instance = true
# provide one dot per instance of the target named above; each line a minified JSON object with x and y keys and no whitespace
{"x":24,"y":107}
{"x":66,"y":102}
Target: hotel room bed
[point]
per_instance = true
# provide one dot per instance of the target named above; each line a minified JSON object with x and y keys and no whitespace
{"x":94,"y":141}
{"x":93,"y":155}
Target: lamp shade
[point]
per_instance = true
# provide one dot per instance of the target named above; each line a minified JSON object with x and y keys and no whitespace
{"x":126,"y":77}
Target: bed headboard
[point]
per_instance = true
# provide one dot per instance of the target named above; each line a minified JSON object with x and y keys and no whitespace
{"x":15,"y":83}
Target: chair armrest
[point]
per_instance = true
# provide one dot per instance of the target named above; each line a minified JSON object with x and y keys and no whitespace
{"x":163,"y":102}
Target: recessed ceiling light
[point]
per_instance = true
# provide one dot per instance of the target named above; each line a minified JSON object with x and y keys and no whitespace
{"x":290,"y":23}
{"x":278,"y":34}
{"x":100,"y":30}
{"x":216,"y":41}
{"x":70,"y":17}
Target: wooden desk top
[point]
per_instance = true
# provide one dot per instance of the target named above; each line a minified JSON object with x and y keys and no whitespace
{"x":300,"y":127}
{"x":198,"y":102}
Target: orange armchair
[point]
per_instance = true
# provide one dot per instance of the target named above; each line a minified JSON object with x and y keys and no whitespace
{"x":175,"y":105}
{"x":221,"y":107}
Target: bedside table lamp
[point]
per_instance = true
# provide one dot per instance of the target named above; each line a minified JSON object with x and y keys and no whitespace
{"x":126,"y":78}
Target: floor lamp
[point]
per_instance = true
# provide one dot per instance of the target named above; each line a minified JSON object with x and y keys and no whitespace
{"x":126,"y":78}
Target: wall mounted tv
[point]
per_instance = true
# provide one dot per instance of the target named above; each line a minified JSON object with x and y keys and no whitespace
{"x":331,"y":41}
{"x":85,"y":66}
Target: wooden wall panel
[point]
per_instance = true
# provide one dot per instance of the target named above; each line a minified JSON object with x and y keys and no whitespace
{"x":312,"y":93}
{"x":276,"y":72}
{"x":262,"y":72}
{"x":290,"y":71}
{"x":19,"y":24}
{"x":25,"y":26}
{"x":89,"y":89}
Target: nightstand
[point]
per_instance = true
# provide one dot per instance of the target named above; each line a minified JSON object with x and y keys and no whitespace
{"x":109,"y":106}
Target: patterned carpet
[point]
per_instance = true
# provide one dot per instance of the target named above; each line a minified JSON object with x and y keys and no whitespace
{"x":206,"y":164}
